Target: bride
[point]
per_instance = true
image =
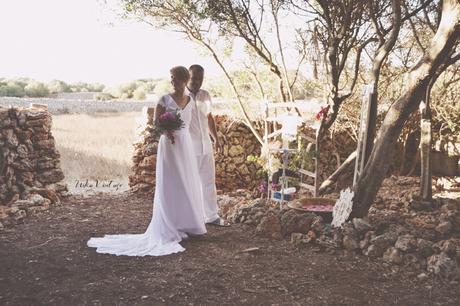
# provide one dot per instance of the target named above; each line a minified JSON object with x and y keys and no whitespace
{"x":177,"y":204}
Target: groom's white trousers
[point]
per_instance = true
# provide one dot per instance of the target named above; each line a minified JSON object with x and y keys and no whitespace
{"x":206,"y":167}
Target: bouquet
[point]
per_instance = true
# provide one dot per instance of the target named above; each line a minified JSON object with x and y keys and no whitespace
{"x":168,"y":123}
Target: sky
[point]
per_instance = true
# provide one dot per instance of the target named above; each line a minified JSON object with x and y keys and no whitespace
{"x":84,"y":40}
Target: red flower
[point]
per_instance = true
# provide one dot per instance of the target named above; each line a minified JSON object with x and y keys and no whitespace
{"x":322,"y":113}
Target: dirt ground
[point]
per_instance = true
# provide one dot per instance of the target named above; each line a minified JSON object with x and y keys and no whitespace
{"x":45,"y":261}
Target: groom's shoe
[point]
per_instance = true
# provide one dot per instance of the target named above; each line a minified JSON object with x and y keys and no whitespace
{"x":219,"y":222}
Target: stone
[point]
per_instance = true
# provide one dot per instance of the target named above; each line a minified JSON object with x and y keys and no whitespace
{"x":442,"y":265}
{"x":36,"y":114}
{"x":412,"y":260}
{"x":236,"y":150}
{"x":11,"y":138}
{"x":337,"y":237}
{"x":427,"y":234}
{"x":48,"y":164}
{"x":44,"y":144}
{"x":298,"y":239}
{"x":450,"y":205}
{"x":48,"y":193}
{"x":406,"y":243}
{"x":424,"y":247}
{"x":380,"y":243}
{"x":230,"y":168}
{"x":269,"y":227}
{"x":384,"y":240}
{"x":364,"y":244}
{"x":393,"y":255}
{"x":243,"y":169}
{"x":150,"y":148}
{"x":296,"y":222}
{"x":350,"y":243}
{"x":22,"y":151}
{"x":36,"y":199}
{"x":43,"y":207}
{"x":444,"y":228}
{"x":373,"y":251}
{"x":318,"y":224}
{"x":4,"y":212}
{"x":148,"y":162}
{"x":19,"y":216}
{"x":51,"y":176}
{"x":23,"y":204}
{"x":450,"y":246}
{"x":362,"y":226}
{"x":348,"y":229}
{"x":422,"y":276}
{"x":311,"y":236}
{"x":21,"y":165}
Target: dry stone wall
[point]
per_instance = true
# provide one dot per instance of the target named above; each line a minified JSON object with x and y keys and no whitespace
{"x":30,"y":172}
{"x":233,"y":171}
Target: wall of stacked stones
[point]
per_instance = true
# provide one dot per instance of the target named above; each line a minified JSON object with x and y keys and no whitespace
{"x":233,"y":170}
{"x":30,"y":172}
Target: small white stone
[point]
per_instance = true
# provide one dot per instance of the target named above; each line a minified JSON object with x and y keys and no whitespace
{"x":422,"y":276}
{"x":36,"y":199}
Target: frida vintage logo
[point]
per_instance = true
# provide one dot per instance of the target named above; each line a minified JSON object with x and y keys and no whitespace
{"x":97,"y":184}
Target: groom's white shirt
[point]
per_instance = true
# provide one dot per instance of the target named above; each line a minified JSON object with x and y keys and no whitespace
{"x":204,"y":152}
{"x":199,"y":129}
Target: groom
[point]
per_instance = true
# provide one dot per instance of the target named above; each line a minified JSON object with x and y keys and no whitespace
{"x":201,"y":126}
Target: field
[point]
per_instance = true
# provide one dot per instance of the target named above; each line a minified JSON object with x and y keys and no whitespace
{"x":94,"y":139}
{"x":95,"y":149}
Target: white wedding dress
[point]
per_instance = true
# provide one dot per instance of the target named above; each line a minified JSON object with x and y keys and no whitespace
{"x":177,"y":205}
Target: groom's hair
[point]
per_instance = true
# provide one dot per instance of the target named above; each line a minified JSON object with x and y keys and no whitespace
{"x":196,"y":68}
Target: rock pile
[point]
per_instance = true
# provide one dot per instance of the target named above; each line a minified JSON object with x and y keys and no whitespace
{"x":233,"y":170}
{"x":269,"y":220}
{"x":142,"y":177}
{"x":400,"y":229}
{"x":30,"y":172}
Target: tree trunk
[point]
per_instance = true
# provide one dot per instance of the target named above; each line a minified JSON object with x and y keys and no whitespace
{"x":379,"y":58}
{"x":425,"y":72}
{"x":425,"y":148}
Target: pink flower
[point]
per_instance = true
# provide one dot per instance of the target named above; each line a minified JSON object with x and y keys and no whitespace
{"x":263,"y":187}
{"x":167,"y":116}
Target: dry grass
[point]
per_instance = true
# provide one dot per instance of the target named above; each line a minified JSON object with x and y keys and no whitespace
{"x":95,"y":147}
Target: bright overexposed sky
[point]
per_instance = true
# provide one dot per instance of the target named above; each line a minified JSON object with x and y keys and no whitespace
{"x":83,"y":40}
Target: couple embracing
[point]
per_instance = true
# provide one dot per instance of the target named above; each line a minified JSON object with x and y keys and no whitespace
{"x":185,"y":193}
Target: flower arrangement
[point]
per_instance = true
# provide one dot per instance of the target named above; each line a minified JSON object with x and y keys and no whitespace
{"x":167,"y":123}
{"x":322,"y":113}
